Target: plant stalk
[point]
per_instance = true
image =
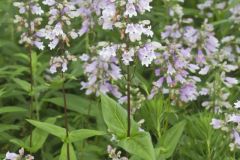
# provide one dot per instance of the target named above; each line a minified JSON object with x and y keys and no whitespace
{"x":31,"y":91}
{"x":65,"y":115}
{"x":31,"y":75}
{"x":128,"y":101}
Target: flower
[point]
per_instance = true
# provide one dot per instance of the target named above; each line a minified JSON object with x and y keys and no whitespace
{"x":135,"y":31}
{"x":188,"y":92}
{"x":127,"y":56}
{"x":216,"y":123}
{"x":237,"y":104}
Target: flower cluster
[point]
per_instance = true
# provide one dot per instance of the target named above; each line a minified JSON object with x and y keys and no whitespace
{"x":20,"y":156}
{"x":28,"y":22}
{"x":101,"y":70}
{"x":184,"y":59}
{"x":106,"y":67}
{"x":61,"y":62}
{"x":113,"y":155}
{"x":189,"y":55}
{"x":230,"y":123}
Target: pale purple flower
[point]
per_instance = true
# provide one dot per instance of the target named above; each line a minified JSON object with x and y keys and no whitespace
{"x":234,"y":118}
{"x":53,"y":43}
{"x":204,"y":91}
{"x":170,"y":69}
{"x":236,"y":137}
{"x":188,"y":92}
{"x":107,"y":52}
{"x":11,"y":156}
{"x":115,"y":72}
{"x":144,"y":5}
{"x":135,"y":31}
{"x":37,"y":10}
{"x":130,"y":10}
{"x":53,"y":69}
{"x":186,"y":52}
{"x":211,"y":44}
{"x":230,"y":81}
{"x":39,"y":45}
{"x":85,"y":27}
{"x":146,"y":55}
{"x":84,"y":57}
{"x":193,"y":67}
{"x":171,"y":31}
{"x":49,"y":2}
{"x":58,"y":30}
{"x":191,"y":35}
{"x":200,"y":59}
{"x":204,"y":70}
{"x":159,"y":82}
{"x":127,"y":56}
{"x":216,"y":123}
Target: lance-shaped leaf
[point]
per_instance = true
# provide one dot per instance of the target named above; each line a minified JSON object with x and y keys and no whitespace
{"x":139,"y":145}
{"x":169,"y":141}
{"x":82,"y":134}
{"x":50,"y":128}
{"x":63,"y":155}
{"x":115,"y":117}
{"x":10,"y":109}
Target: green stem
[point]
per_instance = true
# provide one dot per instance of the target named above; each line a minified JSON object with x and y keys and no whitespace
{"x":128,"y":101}
{"x":65,"y":115}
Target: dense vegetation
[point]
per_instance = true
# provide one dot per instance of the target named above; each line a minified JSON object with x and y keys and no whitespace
{"x":119,"y":79}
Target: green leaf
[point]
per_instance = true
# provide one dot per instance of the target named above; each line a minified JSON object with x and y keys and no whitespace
{"x":39,"y":136}
{"x":81,"y":134}
{"x":5,"y":127}
{"x":11,"y":109}
{"x":77,"y":104}
{"x":19,"y":143}
{"x":169,"y":141}
{"x":139,"y":145}
{"x":23,"y":84}
{"x":50,"y":128}
{"x":115,"y":116}
{"x":63,"y":155}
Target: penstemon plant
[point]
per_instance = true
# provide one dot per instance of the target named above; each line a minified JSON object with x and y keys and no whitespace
{"x":161,"y":70}
{"x":118,"y":61}
{"x":29,"y":20}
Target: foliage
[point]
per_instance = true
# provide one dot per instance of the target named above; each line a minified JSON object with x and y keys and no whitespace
{"x":172,"y":108}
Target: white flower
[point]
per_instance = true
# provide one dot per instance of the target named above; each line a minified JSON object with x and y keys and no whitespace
{"x":49,"y":2}
{"x":11,"y":156}
{"x":135,"y":31}
{"x":204,"y":70}
{"x":53,"y":69}
{"x":73,"y":34}
{"x":127,"y":56}
{"x":107,"y":52}
{"x":58,"y":29}
{"x":37,"y":10}
{"x":53,"y":43}
{"x":130,"y":10}
{"x":84,"y":57}
{"x":237,"y":104}
{"x":146,"y":55}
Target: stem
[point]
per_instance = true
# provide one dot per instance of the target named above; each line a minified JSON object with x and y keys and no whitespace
{"x":31,"y":90}
{"x":128,"y":101}
{"x":65,"y":115}
{"x":31,"y":73}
